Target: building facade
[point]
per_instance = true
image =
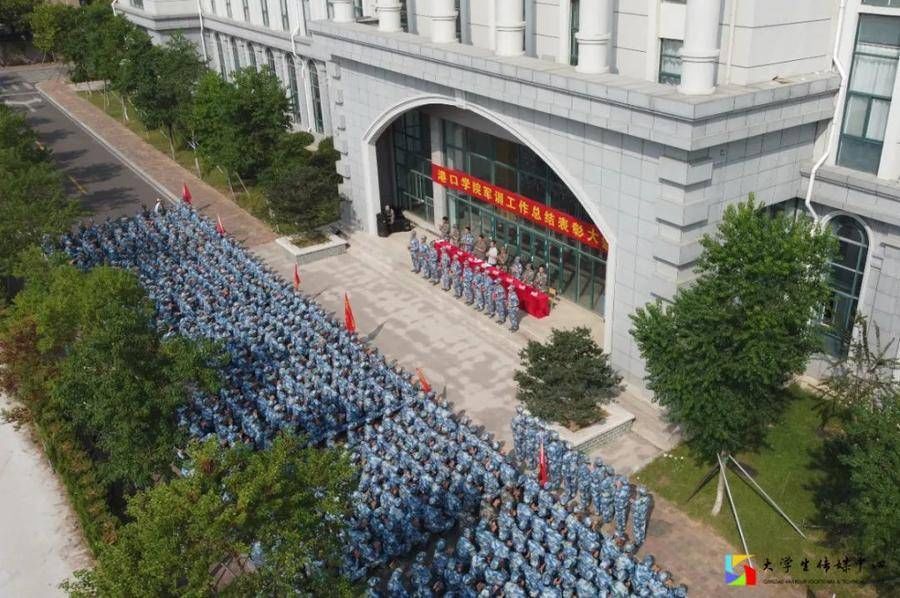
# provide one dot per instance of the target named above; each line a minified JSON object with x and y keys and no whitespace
{"x":628,"y":126}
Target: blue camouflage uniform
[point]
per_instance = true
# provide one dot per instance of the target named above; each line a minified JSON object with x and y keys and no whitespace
{"x":413,"y":248}
{"x":468,"y":285}
{"x":445,"y":271}
{"x":456,"y":274}
{"x":500,"y":302}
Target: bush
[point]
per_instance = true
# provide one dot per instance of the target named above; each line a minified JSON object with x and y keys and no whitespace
{"x":567,"y":379}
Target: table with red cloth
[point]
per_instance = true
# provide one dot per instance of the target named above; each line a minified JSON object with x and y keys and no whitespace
{"x":531,"y":300}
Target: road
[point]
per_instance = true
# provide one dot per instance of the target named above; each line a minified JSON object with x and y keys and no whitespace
{"x":105,"y":186}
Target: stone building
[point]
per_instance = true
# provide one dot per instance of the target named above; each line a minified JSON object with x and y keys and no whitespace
{"x":636,"y":121}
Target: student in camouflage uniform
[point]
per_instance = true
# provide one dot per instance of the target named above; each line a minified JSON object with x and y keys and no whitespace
{"x":512,"y":308}
{"x":454,"y":235}
{"x":500,"y":302}
{"x":444,"y":229}
{"x":456,"y":276}
{"x":468,"y":284}
{"x":445,"y":271}
{"x":413,"y":247}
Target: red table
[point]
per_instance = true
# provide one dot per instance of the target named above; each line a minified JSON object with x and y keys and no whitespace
{"x":531,"y":300}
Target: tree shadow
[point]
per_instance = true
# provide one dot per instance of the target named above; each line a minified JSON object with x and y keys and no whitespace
{"x":94,"y":173}
{"x":53,"y":136}
{"x":63,"y":158}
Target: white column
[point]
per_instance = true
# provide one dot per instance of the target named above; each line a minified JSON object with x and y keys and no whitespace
{"x":343,"y":11}
{"x":389,"y":16}
{"x":700,"y":52}
{"x":510,"y":25}
{"x":439,"y":192}
{"x":443,"y":21}
{"x":594,"y":35}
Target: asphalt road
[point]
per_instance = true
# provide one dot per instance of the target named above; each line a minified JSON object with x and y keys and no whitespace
{"x":103,"y":184}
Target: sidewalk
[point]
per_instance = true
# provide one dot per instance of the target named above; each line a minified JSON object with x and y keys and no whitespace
{"x":463,"y":353}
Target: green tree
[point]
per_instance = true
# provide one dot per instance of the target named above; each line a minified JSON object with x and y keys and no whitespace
{"x":261,"y":118}
{"x":291,"y":499}
{"x":126,"y":81}
{"x":719,"y":355}
{"x":33,"y":202}
{"x":164,"y":87}
{"x":114,"y":382}
{"x":81,"y":42}
{"x":301,"y":187}
{"x":212,"y":122}
{"x":49,"y":25}
{"x":567,"y":379}
{"x":859,"y":500}
{"x":16,"y":15}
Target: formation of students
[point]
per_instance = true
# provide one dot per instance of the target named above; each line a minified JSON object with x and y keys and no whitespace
{"x":427,"y":475}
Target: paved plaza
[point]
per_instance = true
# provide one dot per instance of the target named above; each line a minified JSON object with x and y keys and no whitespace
{"x":464,"y":355}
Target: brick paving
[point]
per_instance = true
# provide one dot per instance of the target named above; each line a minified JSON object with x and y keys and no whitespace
{"x":411,"y":321}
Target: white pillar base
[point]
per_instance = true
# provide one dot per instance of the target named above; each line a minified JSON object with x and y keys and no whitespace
{"x":443,"y":29}
{"x":343,"y":11}
{"x":698,"y":72}
{"x":511,"y":40}
{"x":593,"y":53}
{"x":389,"y":16}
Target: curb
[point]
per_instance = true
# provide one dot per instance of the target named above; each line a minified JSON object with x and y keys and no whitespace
{"x":147,"y":178}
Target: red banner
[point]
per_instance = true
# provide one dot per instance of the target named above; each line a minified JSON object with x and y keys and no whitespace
{"x":521,"y":206}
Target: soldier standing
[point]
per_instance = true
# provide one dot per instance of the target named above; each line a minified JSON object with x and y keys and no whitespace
{"x":500,"y":302}
{"x":433,"y":266}
{"x":642,"y":505}
{"x":622,"y":496}
{"x":489,"y":296}
{"x":540,"y":280}
{"x":454,"y":235}
{"x":423,"y":257}
{"x":478,"y":290}
{"x":445,"y":271}
{"x":503,"y":258}
{"x":528,"y":274}
{"x":413,"y":248}
{"x":480,"y":248}
{"x":456,"y":274}
{"x":444,"y":229}
{"x":512,"y":306}
{"x":468,"y":284}
{"x":516,"y":269}
{"x":468,"y":240}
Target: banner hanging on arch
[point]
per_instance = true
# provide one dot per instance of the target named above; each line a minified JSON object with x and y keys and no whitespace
{"x":521,"y":206}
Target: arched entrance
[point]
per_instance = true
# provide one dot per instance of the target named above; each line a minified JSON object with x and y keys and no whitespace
{"x":404,"y":147}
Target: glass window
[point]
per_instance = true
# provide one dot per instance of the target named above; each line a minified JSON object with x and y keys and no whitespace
{"x":235,"y":55}
{"x":251,"y":54}
{"x":573,"y":29}
{"x":847,"y":272}
{"x":869,"y":93}
{"x":228,"y":8}
{"x":138,"y":4}
{"x":265,"y":12}
{"x":285,"y":19}
{"x":212,"y":6}
{"x":357,"y":9}
{"x":456,"y":7}
{"x":670,"y":61}
{"x":292,"y":87}
{"x":270,"y":60}
{"x":887,"y":3}
{"x":245,"y":5}
{"x":318,"y":117}
{"x":221,"y":54}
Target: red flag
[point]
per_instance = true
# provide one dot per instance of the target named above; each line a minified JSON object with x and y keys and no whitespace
{"x":423,"y":381}
{"x":296,"y":277}
{"x":349,"y":320}
{"x":220,"y":228}
{"x":542,"y":466}
{"x":186,"y":196}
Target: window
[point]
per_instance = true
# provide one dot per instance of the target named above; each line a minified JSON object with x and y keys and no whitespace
{"x":670,"y":61}
{"x":265,"y":12}
{"x":270,"y":60}
{"x":285,"y":20}
{"x":573,"y":30}
{"x":318,"y":117}
{"x":235,"y":54}
{"x":887,"y":3}
{"x":869,"y":92}
{"x":404,"y":18}
{"x":846,"y":283}
{"x":251,"y":54}
{"x":138,"y":4}
{"x":246,"y":6}
{"x":456,"y":6}
{"x":357,"y":9}
{"x":221,"y":56}
{"x":228,"y":8}
{"x":292,"y":86}
{"x":212,"y":6}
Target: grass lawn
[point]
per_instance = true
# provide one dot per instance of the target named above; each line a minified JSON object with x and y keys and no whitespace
{"x":252,"y":201}
{"x":786,"y":470}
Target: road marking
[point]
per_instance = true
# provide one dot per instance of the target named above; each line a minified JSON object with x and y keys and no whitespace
{"x":78,"y":186}
{"x":27,"y":103}
{"x":16,"y":94}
